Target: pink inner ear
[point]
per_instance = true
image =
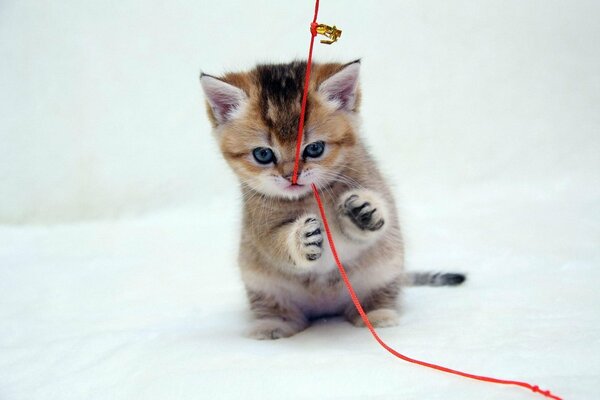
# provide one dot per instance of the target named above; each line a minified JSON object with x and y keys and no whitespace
{"x":341,"y":87}
{"x":223,"y":98}
{"x":223,"y":104}
{"x":344,"y":93}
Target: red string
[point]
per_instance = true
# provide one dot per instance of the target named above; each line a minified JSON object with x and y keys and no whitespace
{"x":313,"y":33}
{"x":365,"y":319}
{"x":363,"y":315}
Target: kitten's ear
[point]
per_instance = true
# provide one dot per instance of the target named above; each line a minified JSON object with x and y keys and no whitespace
{"x":224,"y":99}
{"x":341,"y":88}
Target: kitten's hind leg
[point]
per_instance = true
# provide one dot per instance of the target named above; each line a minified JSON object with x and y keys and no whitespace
{"x":273,"y":328}
{"x":273,"y":319}
{"x":380,"y":306}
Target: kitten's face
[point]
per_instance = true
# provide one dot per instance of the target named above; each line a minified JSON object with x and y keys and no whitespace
{"x":255,"y":117}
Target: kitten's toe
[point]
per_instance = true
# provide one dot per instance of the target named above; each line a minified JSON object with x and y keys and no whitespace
{"x":363,"y":213}
{"x":380,"y":318}
{"x":306,"y":241}
{"x":271,"y":329}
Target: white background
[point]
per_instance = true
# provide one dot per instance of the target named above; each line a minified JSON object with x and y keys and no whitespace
{"x":120,"y":219}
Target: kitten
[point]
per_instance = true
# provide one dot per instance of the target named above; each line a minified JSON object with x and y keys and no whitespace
{"x":289,"y":273}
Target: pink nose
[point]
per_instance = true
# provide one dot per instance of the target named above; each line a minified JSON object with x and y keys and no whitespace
{"x":287,"y":170}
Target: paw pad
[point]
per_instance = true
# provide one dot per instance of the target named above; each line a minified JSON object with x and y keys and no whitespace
{"x":310,"y":239}
{"x":362,"y":213}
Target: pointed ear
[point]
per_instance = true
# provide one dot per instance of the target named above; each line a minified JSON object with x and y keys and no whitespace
{"x":341,"y":88}
{"x":224,"y":99}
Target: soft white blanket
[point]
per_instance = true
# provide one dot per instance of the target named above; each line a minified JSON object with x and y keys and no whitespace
{"x":119,"y":221}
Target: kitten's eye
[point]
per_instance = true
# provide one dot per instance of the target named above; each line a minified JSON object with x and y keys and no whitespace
{"x":314,"y":150}
{"x":263,"y":155}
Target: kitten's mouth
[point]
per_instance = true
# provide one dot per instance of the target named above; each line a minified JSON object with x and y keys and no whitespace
{"x":294,"y":187}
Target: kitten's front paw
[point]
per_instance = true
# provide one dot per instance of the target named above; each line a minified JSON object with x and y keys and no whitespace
{"x":362,"y":212}
{"x":306,"y":240}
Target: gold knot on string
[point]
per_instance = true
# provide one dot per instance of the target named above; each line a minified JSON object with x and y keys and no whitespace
{"x":330,"y":32}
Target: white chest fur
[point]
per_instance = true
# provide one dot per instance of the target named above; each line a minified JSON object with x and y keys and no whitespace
{"x":316,"y":288}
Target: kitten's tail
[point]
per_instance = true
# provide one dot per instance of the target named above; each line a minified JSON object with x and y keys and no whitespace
{"x":433,"y":278}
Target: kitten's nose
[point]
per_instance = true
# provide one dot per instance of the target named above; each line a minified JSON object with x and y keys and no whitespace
{"x":287,"y":170}
{"x":288,"y":177}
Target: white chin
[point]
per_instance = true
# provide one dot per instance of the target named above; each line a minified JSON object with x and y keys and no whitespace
{"x":284,"y":190}
{"x":294,"y":192}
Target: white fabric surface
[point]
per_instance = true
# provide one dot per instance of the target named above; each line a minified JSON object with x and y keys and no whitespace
{"x":120,"y":221}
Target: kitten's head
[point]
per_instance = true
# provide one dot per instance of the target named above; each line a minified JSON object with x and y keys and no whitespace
{"x":255,"y":117}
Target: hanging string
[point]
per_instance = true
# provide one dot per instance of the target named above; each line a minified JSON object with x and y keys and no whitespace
{"x":313,"y":33}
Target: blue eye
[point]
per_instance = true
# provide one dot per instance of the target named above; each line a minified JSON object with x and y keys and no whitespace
{"x":263,"y":155}
{"x":314,"y":150}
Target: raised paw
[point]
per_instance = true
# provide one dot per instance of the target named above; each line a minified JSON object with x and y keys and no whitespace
{"x":366,"y":212}
{"x":306,"y":240}
{"x":363,"y":213}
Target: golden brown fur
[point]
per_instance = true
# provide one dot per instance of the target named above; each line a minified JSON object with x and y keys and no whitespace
{"x":288,"y":271}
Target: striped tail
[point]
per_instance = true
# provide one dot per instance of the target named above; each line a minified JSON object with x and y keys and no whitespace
{"x":433,"y":278}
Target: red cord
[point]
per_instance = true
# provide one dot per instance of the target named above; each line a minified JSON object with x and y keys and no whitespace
{"x":365,"y":319}
{"x":533,"y":388}
{"x":313,"y":33}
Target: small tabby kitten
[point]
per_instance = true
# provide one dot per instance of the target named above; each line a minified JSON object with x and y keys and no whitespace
{"x":289,"y":274}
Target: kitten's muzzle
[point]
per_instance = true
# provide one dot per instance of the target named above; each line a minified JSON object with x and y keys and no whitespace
{"x":289,"y":179}
{"x":287,"y":170}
